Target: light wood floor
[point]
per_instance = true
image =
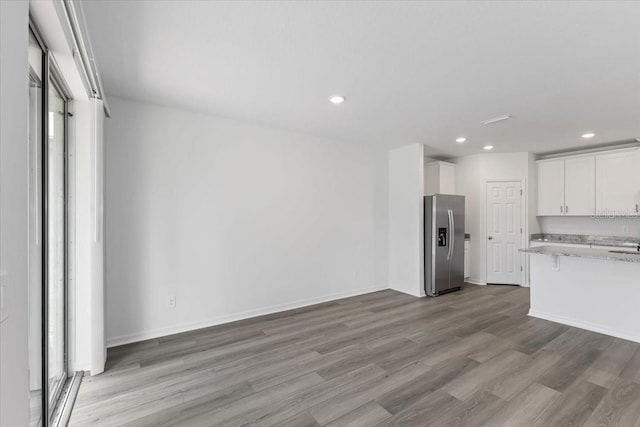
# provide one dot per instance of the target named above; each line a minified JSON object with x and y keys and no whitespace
{"x":468,"y":358}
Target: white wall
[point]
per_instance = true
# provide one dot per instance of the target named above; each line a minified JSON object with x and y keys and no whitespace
{"x":472,"y":174}
{"x":233,"y":219}
{"x":406,"y":221}
{"x":14,"y":380}
{"x":381,"y":219}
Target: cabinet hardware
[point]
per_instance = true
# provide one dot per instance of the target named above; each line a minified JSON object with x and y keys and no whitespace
{"x":560,"y":209}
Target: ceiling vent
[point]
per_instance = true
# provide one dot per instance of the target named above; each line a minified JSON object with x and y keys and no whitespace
{"x":496,"y":119}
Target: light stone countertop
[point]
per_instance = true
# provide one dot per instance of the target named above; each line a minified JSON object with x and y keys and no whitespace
{"x":627,"y":256}
{"x":583,"y":239}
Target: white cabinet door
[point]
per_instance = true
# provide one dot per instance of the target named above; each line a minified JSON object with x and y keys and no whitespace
{"x":447,"y":178}
{"x":439,"y":178}
{"x":579,"y":186}
{"x":431,"y":179}
{"x":617,"y":191}
{"x":551,"y":187}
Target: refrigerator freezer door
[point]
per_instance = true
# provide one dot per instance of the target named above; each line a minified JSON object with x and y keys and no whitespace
{"x":456,"y":263}
{"x":437,"y":243}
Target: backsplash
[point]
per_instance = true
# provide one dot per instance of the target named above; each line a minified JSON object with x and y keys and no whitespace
{"x":591,"y":226}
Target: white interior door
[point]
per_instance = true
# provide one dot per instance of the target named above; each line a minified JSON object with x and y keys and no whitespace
{"x":504,"y":232}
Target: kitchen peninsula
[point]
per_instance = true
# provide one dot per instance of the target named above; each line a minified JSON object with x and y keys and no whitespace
{"x":597,"y":289}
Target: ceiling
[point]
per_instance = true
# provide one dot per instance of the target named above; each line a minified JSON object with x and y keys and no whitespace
{"x":412,"y":72}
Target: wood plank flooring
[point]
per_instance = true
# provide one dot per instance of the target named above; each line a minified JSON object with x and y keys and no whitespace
{"x":468,"y":358}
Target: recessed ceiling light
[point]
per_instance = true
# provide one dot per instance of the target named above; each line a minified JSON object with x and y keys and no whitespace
{"x":588,"y":135}
{"x":461,"y":140}
{"x":336,"y":99}
{"x":488,"y":147}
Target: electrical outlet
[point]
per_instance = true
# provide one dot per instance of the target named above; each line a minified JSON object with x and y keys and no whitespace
{"x":171,"y":301}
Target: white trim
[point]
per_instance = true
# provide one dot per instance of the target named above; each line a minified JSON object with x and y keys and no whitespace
{"x":475,"y":281}
{"x":583,"y":325}
{"x":72,"y":212}
{"x":190,"y":326}
{"x":73,"y":23}
{"x":630,"y":146}
{"x":438,"y":162}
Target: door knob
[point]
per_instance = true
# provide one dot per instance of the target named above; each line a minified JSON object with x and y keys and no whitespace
{"x":490,"y":237}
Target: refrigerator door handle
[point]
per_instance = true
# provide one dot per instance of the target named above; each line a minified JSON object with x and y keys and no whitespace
{"x":452,"y":226}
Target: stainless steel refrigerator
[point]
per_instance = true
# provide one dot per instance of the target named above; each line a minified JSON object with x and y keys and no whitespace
{"x":443,"y":244}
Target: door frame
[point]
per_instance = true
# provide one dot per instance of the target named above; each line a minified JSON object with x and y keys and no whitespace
{"x":51,"y":74}
{"x":524,"y":215}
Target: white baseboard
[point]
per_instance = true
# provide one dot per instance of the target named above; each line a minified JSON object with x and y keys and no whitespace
{"x":417,"y":295}
{"x":190,"y":326}
{"x":584,"y":325}
{"x":481,"y":283}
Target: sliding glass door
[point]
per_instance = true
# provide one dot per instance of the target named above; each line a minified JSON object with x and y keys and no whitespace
{"x":36,"y":121}
{"x":56,"y":242}
{"x":48,"y":370}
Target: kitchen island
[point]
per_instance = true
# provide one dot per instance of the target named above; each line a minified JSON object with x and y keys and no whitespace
{"x":593,"y":289}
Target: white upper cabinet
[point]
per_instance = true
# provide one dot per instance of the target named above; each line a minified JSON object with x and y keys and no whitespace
{"x":566,"y":186}
{"x":618,"y":183}
{"x":439,"y":178}
{"x":551,"y":187}
{"x":606,"y":183}
{"x":579,"y":186}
